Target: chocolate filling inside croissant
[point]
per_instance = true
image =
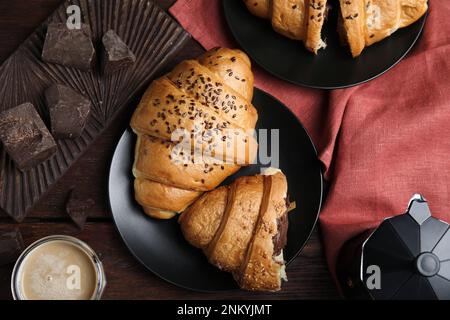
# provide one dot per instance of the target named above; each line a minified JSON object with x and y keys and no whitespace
{"x":280,"y":239}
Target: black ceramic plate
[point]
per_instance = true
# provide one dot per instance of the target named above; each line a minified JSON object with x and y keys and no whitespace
{"x":160,"y":246}
{"x":333,"y":67}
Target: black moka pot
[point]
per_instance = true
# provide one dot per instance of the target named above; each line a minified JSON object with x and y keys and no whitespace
{"x":407,"y":257}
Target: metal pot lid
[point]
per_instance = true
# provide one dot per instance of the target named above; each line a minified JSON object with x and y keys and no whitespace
{"x":408,"y":256}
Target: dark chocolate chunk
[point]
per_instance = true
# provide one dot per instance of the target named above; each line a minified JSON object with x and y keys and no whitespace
{"x":11,"y":246}
{"x":25,"y":136}
{"x":68,"y":111}
{"x":78,"y":208}
{"x":70,"y":48}
{"x":116,"y":55}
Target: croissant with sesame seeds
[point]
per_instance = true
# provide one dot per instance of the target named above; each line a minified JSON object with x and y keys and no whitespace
{"x":195,"y":128}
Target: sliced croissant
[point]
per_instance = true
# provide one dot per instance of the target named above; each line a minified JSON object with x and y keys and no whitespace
{"x":242,"y":228}
{"x":361,"y":23}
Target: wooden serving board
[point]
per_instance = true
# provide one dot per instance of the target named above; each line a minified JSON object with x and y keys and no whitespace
{"x":151,"y":34}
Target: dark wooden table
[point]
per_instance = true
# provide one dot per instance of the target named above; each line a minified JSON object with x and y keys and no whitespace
{"x":127,"y":279}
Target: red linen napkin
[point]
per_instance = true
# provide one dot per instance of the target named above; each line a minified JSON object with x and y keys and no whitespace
{"x":381,"y":142}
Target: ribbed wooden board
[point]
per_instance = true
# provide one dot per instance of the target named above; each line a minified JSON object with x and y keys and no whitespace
{"x":151,"y":34}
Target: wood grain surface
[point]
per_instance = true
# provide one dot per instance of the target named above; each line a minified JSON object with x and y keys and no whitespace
{"x":127,"y":279}
{"x":151,"y":34}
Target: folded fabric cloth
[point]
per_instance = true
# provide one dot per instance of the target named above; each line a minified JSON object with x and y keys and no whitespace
{"x":380,"y":142}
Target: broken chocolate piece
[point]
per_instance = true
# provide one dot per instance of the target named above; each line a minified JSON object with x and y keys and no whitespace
{"x":11,"y":246}
{"x":78,"y":208}
{"x":68,"y":111}
{"x":25,"y":137}
{"x":70,"y":48}
{"x":116,"y":55}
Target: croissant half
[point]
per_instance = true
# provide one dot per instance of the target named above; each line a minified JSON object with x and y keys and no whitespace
{"x":296,"y":19}
{"x":208,"y":99}
{"x":365,"y":22}
{"x":242,"y":229}
{"x":361,"y":23}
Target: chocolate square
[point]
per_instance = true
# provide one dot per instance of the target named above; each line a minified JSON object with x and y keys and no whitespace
{"x":116,"y":54}
{"x":68,"y":111}
{"x":25,"y":136}
{"x":78,"y":209}
{"x":70,"y":48}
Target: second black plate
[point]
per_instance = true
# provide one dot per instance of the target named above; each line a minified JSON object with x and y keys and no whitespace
{"x":160,"y":245}
{"x":333,"y":67}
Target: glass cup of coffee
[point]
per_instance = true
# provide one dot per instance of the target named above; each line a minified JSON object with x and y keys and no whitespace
{"x":58,"y":268}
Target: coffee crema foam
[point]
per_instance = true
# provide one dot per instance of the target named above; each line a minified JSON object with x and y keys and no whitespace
{"x":58,"y":270}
